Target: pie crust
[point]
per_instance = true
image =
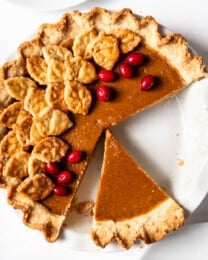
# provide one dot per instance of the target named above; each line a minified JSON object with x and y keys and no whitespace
{"x":48,"y":215}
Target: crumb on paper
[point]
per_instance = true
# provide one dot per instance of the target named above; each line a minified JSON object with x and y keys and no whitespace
{"x":142,"y":244}
{"x":83,"y":207}
{"x":180,"y":162}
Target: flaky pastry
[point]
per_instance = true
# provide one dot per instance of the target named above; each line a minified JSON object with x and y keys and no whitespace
{"x":52,"y":122}
{"x":17,"y":87}
{"x":50,"y":149}
{"x":37,"y":69}
{"x":35,"y":101}
{"x":10,"y":145}
{"x":9,"y":116}
{"x":55,"y":96}
{"x":36,"y":187}
{"x":77,"y":97}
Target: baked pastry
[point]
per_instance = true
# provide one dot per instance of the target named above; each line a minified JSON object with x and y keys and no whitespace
{"x":57,"y":74}
{"x":129,"y":204}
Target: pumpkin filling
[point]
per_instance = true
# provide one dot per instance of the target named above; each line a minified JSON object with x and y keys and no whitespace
{"x":128,"y":99}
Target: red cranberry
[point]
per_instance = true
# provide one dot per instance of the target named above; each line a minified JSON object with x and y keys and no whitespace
{"x":147,"y":82}
{"x":125,"y":70}
{"x":106,"y":75}
{"x":103,"y":93}
{"x":134,"y":59}
{"x":64,"y":177}
{"x":74,"y":156}
{"x":51,"y":168}
{"x":60,"y":190}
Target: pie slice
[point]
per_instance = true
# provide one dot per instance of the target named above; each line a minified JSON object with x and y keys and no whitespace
{"x":129,"y":204}
{"x":69,"y":54}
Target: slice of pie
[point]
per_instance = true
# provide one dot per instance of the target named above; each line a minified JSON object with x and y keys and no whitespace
{"x":129,"y":204}
{"x":50,"y":107}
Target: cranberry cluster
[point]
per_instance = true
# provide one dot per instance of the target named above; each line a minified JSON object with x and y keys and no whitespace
{"x":126,"y":71}
{"x":62,"y":177}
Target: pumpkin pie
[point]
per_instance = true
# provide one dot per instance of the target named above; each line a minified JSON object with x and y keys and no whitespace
{"x":129,"y":204}
{"x":54,"y":82}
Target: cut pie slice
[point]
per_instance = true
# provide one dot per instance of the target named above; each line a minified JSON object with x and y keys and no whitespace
{"x":129,"y":204}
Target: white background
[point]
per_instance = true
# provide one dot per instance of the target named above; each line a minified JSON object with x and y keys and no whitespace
{"x":186,"y":17}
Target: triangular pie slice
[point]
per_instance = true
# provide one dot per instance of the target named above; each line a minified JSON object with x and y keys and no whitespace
{"x":129,"y":204}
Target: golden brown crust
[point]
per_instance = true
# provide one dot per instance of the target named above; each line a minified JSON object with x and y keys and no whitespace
{"x":9,"y":116}
{"x":35,"y":101}
{"x":35,"y":166}
{"x":23,"y":131}
{"x":52,"y":122}
{"x":36,"y":187}
{"x":10,"y":145}
{"x":16,"y":165}
{"x":150,"y":227}
{"x":17,"y":87}
{"x":37,"y":68}
{"x":55,"y":96}
{"x":174,"y":47}
{"x":37,"y":216}
{"x":50,"y":149}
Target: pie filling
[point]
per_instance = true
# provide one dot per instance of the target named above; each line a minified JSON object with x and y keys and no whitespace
{"x":128,"y":99}
{"x":125,"y":191}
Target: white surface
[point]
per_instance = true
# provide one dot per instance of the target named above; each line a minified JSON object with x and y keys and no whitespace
{"x":47,"y":5}
{"x":188,"y":243}
{"x":186,"y":17}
